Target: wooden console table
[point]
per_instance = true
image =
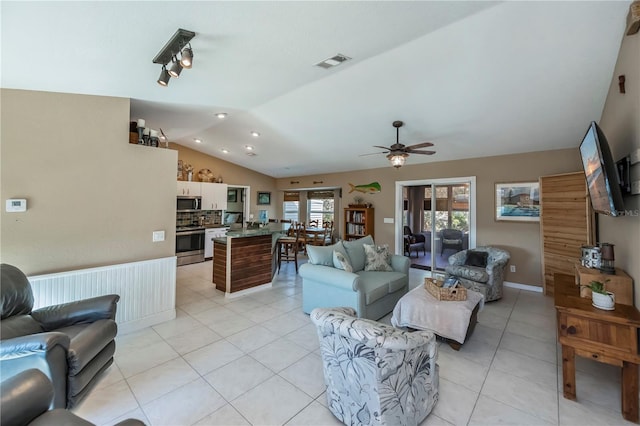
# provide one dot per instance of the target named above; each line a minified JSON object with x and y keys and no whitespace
{"x":610,"y":337}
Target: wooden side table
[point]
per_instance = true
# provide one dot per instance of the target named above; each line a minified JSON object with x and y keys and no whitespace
{"x":619,"y":284}
{"x":610,"y":337}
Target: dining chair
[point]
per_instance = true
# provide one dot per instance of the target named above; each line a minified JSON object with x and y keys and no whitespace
{"x":288,"y":247}
{"x":314,"y":223}
{"x":328,"y":238}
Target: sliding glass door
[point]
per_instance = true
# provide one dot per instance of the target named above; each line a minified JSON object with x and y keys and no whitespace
{"x":443,"y":212}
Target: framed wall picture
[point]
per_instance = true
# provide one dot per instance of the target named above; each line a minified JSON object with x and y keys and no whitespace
{"x":264,"y":198}
{"x":518,"y":202}
{"x":232,"y":195}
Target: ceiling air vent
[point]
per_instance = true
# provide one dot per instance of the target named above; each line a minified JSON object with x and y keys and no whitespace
{"x":333,"y":61}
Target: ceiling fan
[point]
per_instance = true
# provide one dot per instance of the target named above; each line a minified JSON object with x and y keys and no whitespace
{"x":398,"y":153}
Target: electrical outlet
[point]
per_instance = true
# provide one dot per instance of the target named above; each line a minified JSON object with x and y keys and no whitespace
{"x":158,"y":236}
{"x":635,"y":187}
{"x":513,"y":268}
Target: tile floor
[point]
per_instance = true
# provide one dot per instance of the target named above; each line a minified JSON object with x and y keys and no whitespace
{"x":254,"y":360}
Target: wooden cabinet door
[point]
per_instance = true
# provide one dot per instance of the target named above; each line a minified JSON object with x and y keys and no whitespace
{"x":566,"y":223}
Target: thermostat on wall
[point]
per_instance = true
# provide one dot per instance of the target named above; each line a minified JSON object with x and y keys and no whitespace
{"x":16,"y":205}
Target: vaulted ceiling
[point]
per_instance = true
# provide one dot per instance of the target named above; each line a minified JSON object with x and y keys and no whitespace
{"x":475,"y":78}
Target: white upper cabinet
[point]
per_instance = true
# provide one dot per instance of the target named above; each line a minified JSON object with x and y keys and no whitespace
{"x":189,"y":189}
{"x":214,"y":196}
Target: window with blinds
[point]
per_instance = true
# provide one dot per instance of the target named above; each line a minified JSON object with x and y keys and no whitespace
{"x":320,"y":206}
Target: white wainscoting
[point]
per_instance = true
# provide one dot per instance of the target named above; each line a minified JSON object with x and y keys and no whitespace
{"x":147,"y":290}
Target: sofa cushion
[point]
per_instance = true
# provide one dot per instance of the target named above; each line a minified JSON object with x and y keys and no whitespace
{"x":340,"y":261}
{"x":373,"y":290}
{"x":473,"y":273}
{"x":380,"y":283}
{"x":355,"y":251}
{"x":377,"y":258}
{"x":323,"y":255}
{"x":476,"y":258}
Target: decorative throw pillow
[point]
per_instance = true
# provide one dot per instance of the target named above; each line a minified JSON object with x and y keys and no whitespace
{"x":340,"y":261}
{"x":323,"y":255}
{"x":476,"y":258}
{"x":377,"y":258}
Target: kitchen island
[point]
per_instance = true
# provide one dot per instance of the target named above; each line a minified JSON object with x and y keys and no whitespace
{"x":245,"y":259}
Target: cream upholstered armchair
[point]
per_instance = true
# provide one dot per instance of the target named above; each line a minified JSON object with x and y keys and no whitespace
{"x":376,"y":374}
{"x":481,"y":269}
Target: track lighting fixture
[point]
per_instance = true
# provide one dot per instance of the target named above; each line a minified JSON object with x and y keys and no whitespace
{"x":186,"y":57}
{"x":175,"y":69}
{"x":164,"y":78}
{"x":168,"y":56}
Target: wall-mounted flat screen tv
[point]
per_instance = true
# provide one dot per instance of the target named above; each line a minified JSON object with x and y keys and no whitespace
{"x":601,"y":173}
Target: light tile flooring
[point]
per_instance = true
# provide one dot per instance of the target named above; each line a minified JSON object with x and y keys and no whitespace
{"x":255,"y":360}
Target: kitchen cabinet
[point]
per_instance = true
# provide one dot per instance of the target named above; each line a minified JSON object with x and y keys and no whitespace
{"x":189,"y":189}
{"x":214,"y":196}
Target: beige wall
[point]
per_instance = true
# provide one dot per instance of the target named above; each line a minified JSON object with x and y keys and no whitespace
{"x":93,"y":198}
{"x":521,"y":239}
{"x":620,"y":123}
{"x":233,"y":175}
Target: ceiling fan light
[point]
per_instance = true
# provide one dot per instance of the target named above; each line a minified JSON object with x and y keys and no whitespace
{"x":186,"y":58}
{"x":397,"y":160}
{"x":175,"y":69}
{"x":164,"y":78}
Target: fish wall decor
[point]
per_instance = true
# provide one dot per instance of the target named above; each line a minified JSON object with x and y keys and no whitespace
{"x":370,"y":188}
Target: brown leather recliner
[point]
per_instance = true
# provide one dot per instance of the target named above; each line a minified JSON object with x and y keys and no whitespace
{"x":71,"y":343}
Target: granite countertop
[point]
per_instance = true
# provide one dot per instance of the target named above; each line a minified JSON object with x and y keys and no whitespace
{"x":271,"y":228}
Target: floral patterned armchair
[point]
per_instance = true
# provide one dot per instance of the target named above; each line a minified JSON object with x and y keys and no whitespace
{"x":486,"y":279}
{"x":376,"y":374}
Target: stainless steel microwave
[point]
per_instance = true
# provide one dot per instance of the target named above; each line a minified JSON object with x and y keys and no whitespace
{"x":189,"y":204}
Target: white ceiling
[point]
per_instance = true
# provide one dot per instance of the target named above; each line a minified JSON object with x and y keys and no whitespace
{"x":475,"y":78}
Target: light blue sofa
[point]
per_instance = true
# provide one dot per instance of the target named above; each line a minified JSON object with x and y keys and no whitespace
{"x":373,"y":294}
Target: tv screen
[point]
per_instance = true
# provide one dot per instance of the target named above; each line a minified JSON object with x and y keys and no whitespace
{"x":601,"y":173}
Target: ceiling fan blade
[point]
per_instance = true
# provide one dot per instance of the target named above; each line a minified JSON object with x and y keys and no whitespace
{"x":420,"y":145}
{"x":372,"y":153}
{"x":382,"y":147}
{"x":411,"y":151}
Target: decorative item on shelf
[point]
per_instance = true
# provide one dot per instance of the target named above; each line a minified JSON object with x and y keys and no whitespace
{"x":607,"y":259}
{"x":205,"y":175}
{"x":219,"y":179}
{"x":590,"y":257}
{"x":600,"y":297}
{"x":140,"y":127}
{"x":180,"y":169}
{"x":188,"y":169}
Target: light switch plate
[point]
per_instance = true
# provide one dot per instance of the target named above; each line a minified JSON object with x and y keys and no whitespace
{"x":388,"y":220}
{"x":158,"y":236}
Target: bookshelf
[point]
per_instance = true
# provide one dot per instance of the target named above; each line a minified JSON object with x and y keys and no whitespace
{"x":358,"y":222}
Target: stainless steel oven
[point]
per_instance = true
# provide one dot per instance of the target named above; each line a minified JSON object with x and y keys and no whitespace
{"x":189,"y":245}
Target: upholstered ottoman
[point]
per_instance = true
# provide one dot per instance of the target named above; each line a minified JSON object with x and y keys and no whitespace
{"x":453,"y":321}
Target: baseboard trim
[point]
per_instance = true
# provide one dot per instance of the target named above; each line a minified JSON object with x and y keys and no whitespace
{"x":526,"y":287}
{"x":248,"y":290}
{"x":135,"y":325}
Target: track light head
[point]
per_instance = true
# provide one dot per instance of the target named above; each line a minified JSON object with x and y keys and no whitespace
{"x":186,"y":57}
{"x":175,"y":69}
{"x":164,"y":78}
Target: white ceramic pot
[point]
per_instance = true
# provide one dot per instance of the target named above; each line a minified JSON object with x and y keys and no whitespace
{"x":603,"y":301}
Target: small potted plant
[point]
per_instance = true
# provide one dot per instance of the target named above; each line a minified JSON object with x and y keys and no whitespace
{"x":600,"y":297}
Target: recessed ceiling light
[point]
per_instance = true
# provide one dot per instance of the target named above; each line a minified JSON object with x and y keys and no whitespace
{"x":249,"y":147}
{"x":196,"y":140}
{"x":225,"y":150}
{"x":251,"y":154}
{"x":255,"y":134}
{"x":221,"y":115}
